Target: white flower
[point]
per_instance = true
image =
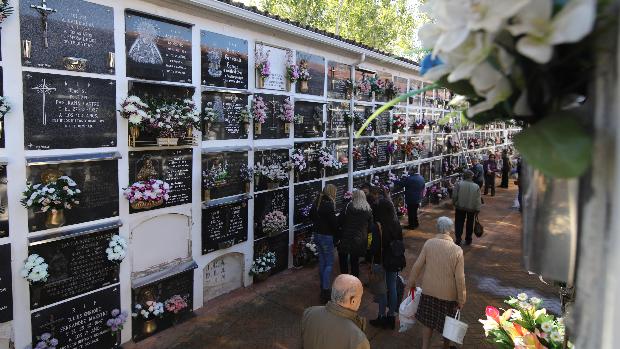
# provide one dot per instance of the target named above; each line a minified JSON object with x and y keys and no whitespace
{"x":547,"y":326}
{"x":522,"y":297}
{"x":535,"y":301}
{"x":556,"y":336}
{"x":571,"y":24}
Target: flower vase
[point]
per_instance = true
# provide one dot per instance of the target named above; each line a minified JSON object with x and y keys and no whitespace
{"x":149,"y":327}
{"x":207,"y":195}
{"x":260,"y":277}
{"x":257,"y":128}
{"x":134,"y":133}
{"x":260,"y":80}
{"x":117,"y":340}
{"x":303,"y":87}
{"x":246,"y":128}
{"x":288,"y":85}
{"x":272,"y":185}
{"x":247,"y":187}
{"x":167,"y":141}
{"x":55,"y":218}
{"x":190,"y":132}
{"x":287,"y":127}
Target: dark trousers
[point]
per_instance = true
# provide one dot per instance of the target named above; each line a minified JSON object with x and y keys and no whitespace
{"x":480,"y":184}
{"x":412,"y":211}
{"x":504,"y":179}
{"x":460,"y":219}
{"x":489,"y":182}
{"x":353,"y":260}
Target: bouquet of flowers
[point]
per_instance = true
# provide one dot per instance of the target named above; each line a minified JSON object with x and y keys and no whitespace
{"x":304,"y":73}
{"x":261,"y":61}
{"x":116,"y":250}
{"x":292,"y":70}
{"x":419,"y":124}
{"x":392,"y":148}
{"x":298,"y":160}
{"x":327,"y":160}
{"x":57,"y":195}
{"x":117,"y":321}
{"x":4,"y":106}
{"x":151,"y":190}
{"x":399,"y":122}
{"x":134,"y":110}
{"x":377,"y":85}
{"x":357,"y":154}
{"x":273,"y":172}
{"x":263,"y":264}
{"x":166,"y":119}
{"x":403,"y":210}
{"x":259,"y":110}
{"x":363,"y":86}
{"x":274,"y":222}
{"x":525,"y":324}
{"x":208,"y":114}
{"x":372,"y":151}
{"x":246,"y":173}
{"x":287,"y":111}
{"x":214,"y":176}
{"x":45,"y":341}
{"x":312,"y":248}
{"x":347,"y":195}
{"x":150,"y":309}
{"x":175,"y":304}
{"x":190,"y":116}
{"x":35,"y":269}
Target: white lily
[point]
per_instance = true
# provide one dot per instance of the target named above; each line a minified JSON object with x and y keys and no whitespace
{"x":571,"y":24}
{"x":491,"y":84}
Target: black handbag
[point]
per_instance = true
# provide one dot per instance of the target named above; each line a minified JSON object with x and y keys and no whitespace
{"x":478,"y":228}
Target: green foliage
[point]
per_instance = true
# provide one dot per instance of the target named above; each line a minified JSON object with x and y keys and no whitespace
{"x":388,"y":25}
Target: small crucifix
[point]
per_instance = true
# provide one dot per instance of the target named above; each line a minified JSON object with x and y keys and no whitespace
{"x":274,"y":105}
{"x":44,"y":90}
{"x":44,"y":11}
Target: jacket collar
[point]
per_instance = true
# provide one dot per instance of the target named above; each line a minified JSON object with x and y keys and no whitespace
{"x":444,"y":237}
{"x":347,"y":314}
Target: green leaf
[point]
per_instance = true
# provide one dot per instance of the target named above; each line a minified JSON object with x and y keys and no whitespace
{"x":557,"y":145}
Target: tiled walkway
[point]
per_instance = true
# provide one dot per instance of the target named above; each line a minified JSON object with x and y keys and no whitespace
{"x":268,"y":315}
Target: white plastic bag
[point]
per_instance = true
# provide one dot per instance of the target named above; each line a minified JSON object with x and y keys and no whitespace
{"x":407,"y":310}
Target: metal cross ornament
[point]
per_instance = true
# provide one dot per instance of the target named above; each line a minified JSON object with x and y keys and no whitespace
{"x":44,"y":11}
{"x":44,"y":90}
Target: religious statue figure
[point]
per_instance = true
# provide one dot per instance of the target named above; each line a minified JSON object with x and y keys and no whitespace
{"x":215,"y":57}
{"x":147,"y":171}
{"x":144,"y":49}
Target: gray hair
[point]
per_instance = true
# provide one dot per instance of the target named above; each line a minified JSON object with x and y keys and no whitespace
{"x":359,"y":201}
{"x":339,"y":296}
{"x":444,"y":225}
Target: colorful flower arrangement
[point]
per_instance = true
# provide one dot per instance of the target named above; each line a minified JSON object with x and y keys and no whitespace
{"x":5,"y":107}
{"x":391,"y":89}
{"x":117,"y":321}
{"x":246,"y":173}
{"x":274,"y":222}
{"x":117,"y":249}
{"x":175,"y":304}
{"x":524,"y":325}
{"x":150,"y":309}
{"x":298,"y":160}
{"x":151,"y":190}
{"x":261,"y":61}
{"x":403,"y":210}
{"x":377,"y":86}
{"x":357,"y":153}
{"x":304,"y":72}
{"x":392,"y":147}
{"x":399,"y":122}
{"x":57,"y":195}
{"x":45,"y":341}
{"x":216,"y":175}
{"x":292,"y":69}
{"x":5,"y":10}
{"x":273,"y":172}
{"x":311,"y":247}
{"x":419,"y":124}
{"x":373,"y":151}
{"x":259,"y":110}
{"x":363,"y":86}
{"x":328,"y":160}
{"x":165,"y":117}
{"x":287,"y":111}
{"x":35,"y":269}
{"x":263,"y":264}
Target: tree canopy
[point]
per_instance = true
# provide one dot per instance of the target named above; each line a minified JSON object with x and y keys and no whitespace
{"x":388,"y":25}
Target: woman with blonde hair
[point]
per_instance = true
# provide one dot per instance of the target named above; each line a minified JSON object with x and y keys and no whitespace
{"x":323,"y":214}
{"x":443,"y":283}
{"x":355,"y":222}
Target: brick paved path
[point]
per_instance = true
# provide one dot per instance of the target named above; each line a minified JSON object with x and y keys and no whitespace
{"x":268,"y":315}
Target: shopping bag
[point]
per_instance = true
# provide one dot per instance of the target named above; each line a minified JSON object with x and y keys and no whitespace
{"x":454,"y":329}
{"x":407,"y":310}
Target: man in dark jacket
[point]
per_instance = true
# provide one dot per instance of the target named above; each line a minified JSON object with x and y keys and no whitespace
{"x":414,"y":190}
{"x":490,"y":169}
{"x":506,"y":167}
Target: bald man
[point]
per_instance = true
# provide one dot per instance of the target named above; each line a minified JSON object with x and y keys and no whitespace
{"x":337,"y":325}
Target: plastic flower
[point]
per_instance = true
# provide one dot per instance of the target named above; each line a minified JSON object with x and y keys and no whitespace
{"x":547,"y":326}
{"x":522,"y":297}
{"x":556,"y":336}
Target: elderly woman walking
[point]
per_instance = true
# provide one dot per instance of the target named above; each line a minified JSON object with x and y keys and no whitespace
{"x":443,"y":283}
{"x":355,"y":220}
{"x":323,"y":215}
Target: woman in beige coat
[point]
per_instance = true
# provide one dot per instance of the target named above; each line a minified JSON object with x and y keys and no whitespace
{"x":443,"y":282}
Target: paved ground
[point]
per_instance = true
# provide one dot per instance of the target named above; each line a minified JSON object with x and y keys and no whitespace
{"x":267,"y":315}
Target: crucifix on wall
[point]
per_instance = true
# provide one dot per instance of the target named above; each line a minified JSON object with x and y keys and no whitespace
{"x":44,"y":11}
{"x":44,"y":90}
{"x":274,"y":106}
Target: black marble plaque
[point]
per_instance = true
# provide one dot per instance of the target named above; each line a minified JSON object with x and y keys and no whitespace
{"x":224,"y":226}
{"x":340,"y":149}
{"x":425,"y":171}
{"x":337,"y":75}
{"x":304,"y":196}
{"x":361,"y":158}
{"x":98,"y":181}
{"x":279,"y":245}
{"x":146,"y":90}
{"x":181,"y":284}
{"x":436,"y":169}
{"x":360,"y":180}
{"x":173,"y":166}
{"x":6,"y":289}
{"x":77,"y":30}
{"x":231,"y":161}
{"x":62,"y":112}
{"x":310,"y":123}
{"x":383,"y":158}
{"x":77,"y":265}
{"x":227,"y":108}
{"x":79,"y":323}
{"x":272,"y":127}
{"x":311,"y":153}
{"x":268,"y":157}
{"x":4,"y":203}
{"x":266,"y":202}
{"x":224,"y":60}
{"x":337,"y":126}
{"x":316,"y":68}
{"x":382,"y":124}
{"x":362,"y":113}
{"x":342,"y":186}
{"x":158,"y":48}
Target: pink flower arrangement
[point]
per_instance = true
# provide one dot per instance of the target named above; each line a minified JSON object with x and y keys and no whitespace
{"x":298,"y":160}
{"x":175,"y":304}
{"x":274,"y":222}
{"x":399,"y":121}
{"x":261,"y":61}
{"x":363,"y":86}
{"x":292,"y":69}
{"x":259,"y":110}
{"x":304,"y":72}
{"x":327,"y":160}
{"x":348,"y":195}
{"x":403,"y":210}
{"x":149,"y":190}
{"x":287,"y":111}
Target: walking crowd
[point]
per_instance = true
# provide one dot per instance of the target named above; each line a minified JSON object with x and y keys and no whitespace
{"x":368,"y":229}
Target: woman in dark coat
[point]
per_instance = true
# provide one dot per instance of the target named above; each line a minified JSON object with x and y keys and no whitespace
{"x":323,"y":215}
{"x":355,"y":222}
